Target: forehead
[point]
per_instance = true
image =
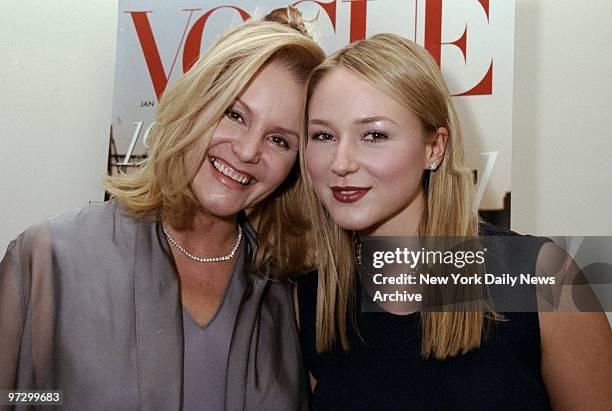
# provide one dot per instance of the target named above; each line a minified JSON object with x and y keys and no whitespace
{"x":275,"y":93}
{"x":342,"y":92}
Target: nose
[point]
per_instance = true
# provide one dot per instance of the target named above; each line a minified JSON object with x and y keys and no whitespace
{"x":344,"y":161}
{"x":247,"y":147}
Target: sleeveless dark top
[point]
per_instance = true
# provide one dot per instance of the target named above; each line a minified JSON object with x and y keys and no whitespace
{"x":388,"y":373}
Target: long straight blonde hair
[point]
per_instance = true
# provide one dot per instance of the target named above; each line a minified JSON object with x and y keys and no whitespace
{"x":408,"y":74}
{"x":188,"y":114}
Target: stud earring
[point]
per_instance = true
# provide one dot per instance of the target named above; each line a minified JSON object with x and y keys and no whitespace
{"x":433,"y":166}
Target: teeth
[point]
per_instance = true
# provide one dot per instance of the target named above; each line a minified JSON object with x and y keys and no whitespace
{"x":229,"y":172}
{"x":348,"y":193}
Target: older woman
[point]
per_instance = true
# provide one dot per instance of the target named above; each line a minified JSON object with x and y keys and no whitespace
{"x":164,"y":296}
{"x":384,"y":157}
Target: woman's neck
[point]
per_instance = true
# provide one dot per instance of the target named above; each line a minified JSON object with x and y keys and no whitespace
{"x":207,"y":235}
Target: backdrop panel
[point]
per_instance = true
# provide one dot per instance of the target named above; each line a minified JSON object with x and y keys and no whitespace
{"x":472,"y":41}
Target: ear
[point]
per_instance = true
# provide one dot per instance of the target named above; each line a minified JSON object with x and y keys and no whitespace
{"x":434,"y":150}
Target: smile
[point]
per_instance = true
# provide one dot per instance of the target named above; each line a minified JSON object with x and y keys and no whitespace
{"x":349,"y":194}
{"x":229,"y":172}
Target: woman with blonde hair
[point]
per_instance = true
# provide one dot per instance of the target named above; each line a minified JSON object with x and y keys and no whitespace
{"x":166,"y":297}
{"x":383,"y":155}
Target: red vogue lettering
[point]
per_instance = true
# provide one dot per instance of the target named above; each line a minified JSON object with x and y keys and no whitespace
{"x":359,"y":11}
{"x":191,"y":53}
{"x":150,"y":51}
{"x":433,"y":43}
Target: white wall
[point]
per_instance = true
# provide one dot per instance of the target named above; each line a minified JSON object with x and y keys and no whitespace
{"x":562,"y":138}
{"x":56,"y":90}
{"x":562,"y":143}
{"x":56,"y":85}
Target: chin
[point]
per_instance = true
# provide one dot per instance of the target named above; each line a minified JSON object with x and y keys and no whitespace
{"x":349,"y":223}
{"x":221,"y":209}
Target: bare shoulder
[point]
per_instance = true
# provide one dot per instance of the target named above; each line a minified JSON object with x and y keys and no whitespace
{"x":577,"y":359}
{"x":576,"y":340}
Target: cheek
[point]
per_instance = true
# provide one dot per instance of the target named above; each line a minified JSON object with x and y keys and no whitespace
{"x":225,"y":131}
{"x":200,"y":174}
{"x":317,"y":163}
{"x":279,"y":167}
{"x":402,"y":168}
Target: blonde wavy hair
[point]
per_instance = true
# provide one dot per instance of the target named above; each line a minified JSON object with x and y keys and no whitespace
{"x":407,"y":73}
{"x":188,"y":114}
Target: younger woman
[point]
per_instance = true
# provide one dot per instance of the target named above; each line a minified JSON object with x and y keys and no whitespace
{"x":384,"y":157}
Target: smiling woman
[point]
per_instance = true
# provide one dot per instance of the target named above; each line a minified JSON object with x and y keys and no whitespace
{"x":363,"y":129}
{"x":384,"y":157}
{"x":169,"y":296}
{"x":254,"y":146}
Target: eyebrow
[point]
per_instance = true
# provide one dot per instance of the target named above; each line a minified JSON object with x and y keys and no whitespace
{"x":319,"y":122}
{"x":242,"y":103}
{"x":288,"y":131}
{"x":278,"y":129}
{"x":365,"y":120}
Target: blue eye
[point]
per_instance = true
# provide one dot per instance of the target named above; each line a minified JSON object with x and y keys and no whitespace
{"x":322,"y":137}
{"x":234,"y":115}
{"x":279,"y":141}
{"x":374,"y":137}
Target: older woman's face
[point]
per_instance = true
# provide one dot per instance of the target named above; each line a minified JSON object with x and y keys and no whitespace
{"x":365,"y":155}
{"x":254,"y":146}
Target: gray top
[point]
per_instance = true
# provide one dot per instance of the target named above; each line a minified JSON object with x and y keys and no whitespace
{"x":207,"y":347}
{"x":90,"y":304}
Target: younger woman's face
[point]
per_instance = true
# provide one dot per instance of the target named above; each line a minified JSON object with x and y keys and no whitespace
{"x":365,"y":156}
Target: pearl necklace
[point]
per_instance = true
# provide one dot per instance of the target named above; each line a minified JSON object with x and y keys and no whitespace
{"x":199,"y":259}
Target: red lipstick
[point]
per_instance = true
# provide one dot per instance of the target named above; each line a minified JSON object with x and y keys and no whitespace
{"x":349,"y":194}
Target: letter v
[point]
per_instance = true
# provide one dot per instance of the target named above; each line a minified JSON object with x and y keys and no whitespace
{"x":151,"y":52}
